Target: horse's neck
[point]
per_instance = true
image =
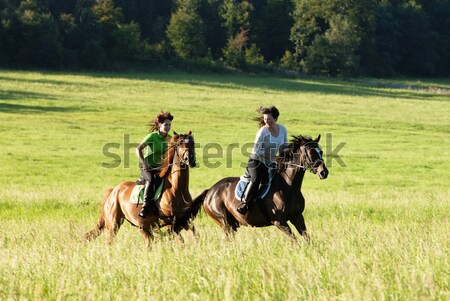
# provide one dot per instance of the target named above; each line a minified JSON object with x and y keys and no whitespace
{"x":179,"y":177}
{"x":294,"y":177}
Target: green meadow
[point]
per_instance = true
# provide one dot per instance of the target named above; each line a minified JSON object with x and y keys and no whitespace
{"x":379,"y":223}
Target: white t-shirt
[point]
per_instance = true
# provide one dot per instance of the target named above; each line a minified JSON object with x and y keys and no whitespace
{"x":267,"y":146}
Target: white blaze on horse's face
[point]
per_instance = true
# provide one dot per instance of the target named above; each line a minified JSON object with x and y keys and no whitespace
{"x":188,"y":152}
{"x":319,"y":152}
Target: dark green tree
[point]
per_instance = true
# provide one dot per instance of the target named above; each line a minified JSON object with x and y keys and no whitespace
{"x":328,"y":34}
{"x":215,"y":33}
{"x":37,"y":36}
{"x":334,"y":53}
{"x":234,"y":51}
{"x":186,"y":30}
{"x":236,"y":16}
{"x":438,"y":12}
{"x":272,"y":25}
{"x":121,"y":42}
{"x":417,"y":51}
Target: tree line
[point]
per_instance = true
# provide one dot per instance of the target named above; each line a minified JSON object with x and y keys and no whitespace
{"x":327,"y":37}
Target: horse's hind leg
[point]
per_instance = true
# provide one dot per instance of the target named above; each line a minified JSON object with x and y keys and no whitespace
{"x":99,"y":227}
{"x":147,"y":234}
{"x":94,"y":233}
{"x":112,"y":229}
{"x":114,"y":222}
{"x":299,"y":224}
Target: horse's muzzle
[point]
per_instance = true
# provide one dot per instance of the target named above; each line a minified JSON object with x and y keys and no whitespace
{"x":323,"y":174}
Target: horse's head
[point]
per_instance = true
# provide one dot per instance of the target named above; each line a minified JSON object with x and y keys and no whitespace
{"x":185,"y":149}
{"x":308,"y":154}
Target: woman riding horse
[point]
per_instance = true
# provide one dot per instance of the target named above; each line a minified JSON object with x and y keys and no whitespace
{"x":176,"y":205}
{"x":270,"y":139}
{"x":155,"y":145}
{"x":282,"y":203}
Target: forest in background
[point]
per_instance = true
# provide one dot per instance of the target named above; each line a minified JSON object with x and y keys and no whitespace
{"x":328,"y":37}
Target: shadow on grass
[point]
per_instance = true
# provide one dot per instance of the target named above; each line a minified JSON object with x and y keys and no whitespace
{"x":46,"y":81}
{"x":278,"y":84}
{"x":14,"y":97}
{"x":16,"y":108}
{"x":315,"y":85}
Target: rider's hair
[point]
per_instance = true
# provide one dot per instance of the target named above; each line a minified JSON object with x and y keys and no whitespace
{"x":266,"y":110}
{"x":156,"y":122}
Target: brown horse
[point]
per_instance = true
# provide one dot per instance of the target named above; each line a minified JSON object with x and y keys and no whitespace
{"x":284,"y":202}
{"x":175,"y":205}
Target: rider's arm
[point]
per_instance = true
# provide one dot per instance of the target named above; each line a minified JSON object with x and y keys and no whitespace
{"x":259,"y":151}
{"x":140,"y":154}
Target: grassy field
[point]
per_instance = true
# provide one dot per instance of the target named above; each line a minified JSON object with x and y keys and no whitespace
{"x":379,"y":223}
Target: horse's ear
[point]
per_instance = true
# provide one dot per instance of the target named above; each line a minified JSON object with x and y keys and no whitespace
{"x":175,"y":133}
{"x":189,"y":133}
{"x":317,"y":139}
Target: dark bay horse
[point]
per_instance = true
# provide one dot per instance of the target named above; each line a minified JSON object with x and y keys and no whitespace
{"x":284,"y":202}
{"x":176,"y":205}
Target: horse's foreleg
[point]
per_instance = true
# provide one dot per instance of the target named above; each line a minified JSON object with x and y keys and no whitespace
{"x":230,"y":231}
{"x":194,"y":231}
{"x":284,"y":227}
{"x":299,"y":223}
{"x":191,"y":227}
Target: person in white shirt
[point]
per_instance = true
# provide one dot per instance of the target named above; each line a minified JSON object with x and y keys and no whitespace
{"x":271,"y":139}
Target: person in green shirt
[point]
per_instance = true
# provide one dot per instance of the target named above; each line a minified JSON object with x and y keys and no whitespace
{"x":155,"y":145}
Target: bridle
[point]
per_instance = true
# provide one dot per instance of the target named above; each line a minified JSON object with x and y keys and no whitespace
{"x":181,"y":158}
{"x":308,"y":162}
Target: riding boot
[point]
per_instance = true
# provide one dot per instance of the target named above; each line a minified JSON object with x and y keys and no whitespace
{"x":250,"y":194}
{"x":149,"y":204}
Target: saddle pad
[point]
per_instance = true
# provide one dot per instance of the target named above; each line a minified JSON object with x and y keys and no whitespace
{"x":137,"y":195}
{"x":241,"y":186}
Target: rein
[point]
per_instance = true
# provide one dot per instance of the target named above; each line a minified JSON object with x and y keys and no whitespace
{"x":175,"y":155}
{"x":312,"y":165}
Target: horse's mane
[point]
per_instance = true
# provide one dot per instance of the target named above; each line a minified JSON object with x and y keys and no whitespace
{"x":300,"y":140}
{"x":168,"y":156}
{"x":294,"y":145}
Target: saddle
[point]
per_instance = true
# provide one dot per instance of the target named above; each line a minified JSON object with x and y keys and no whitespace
{"x":263,"y":189}
{"x":137,"y":195}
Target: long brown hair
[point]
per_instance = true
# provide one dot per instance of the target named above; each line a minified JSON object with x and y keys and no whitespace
{"x":155,"y":123}
{"x":266,"y":110}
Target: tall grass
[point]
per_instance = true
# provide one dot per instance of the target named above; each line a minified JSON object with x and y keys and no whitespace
{"x":379,"y":223}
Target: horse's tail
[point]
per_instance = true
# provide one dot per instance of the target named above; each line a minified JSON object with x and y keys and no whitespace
{"x":94,"y":233}
{"x":197,"y":204}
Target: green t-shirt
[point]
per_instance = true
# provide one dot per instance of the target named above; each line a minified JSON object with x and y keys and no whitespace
{"x":156,"y":147}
